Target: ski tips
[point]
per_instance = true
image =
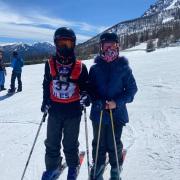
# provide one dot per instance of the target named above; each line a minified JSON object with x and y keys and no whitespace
{"x":124,"y":152}
{"x":81,"y":156}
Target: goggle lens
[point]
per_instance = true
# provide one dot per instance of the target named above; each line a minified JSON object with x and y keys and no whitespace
{"x":65,"y":43}
{"x":109,"y":45}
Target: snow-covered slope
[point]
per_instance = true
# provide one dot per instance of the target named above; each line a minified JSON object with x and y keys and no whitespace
{"x":152,"y":136}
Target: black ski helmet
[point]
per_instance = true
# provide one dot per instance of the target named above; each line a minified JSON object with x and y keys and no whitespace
{"x":109,"y":37}
{"x":64,"y":32}
{"x":15,"y":53}
{"x":65,"y":55}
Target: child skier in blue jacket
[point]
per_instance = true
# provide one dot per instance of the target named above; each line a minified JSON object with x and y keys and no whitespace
{"x":112,"y":85}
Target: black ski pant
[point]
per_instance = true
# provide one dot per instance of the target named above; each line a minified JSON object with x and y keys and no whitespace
{"x":106,"y":143}
{"x":13,"y":78}
{"x":59,"y":127}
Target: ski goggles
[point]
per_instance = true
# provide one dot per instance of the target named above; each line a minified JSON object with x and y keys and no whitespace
{"x":109,"y":45}
{"x":65,"y":43}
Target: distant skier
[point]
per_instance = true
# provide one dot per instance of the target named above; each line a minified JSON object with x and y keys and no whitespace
{"x":65,"y":79}
{"x":2,"y":72}
{"x":16,"y":64}
{"x":112,"y":85}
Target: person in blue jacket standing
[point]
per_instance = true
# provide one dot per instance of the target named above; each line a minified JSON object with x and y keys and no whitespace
{"x":112,"y":85}
{"x":2,"y":72}
{"x":16,"y":64}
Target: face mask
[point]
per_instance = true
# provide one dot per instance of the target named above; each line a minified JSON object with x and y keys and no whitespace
{"x":65,"y":52}
{"x":65,"y":56}
{"x":109,"y":51}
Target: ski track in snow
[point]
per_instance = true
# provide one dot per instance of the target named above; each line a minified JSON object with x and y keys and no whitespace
{"x":152,"y":136}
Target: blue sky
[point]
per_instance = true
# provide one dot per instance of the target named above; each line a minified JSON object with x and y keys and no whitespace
{"x":36,"y":20}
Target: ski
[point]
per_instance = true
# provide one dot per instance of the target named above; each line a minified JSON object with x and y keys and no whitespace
{"x":64,"y":165}
{"x":99,"y":176}
{"x":124,"y":152}
{"x":10,"y":93}
{"x":81,"y":159}
{"x":2,"y":89}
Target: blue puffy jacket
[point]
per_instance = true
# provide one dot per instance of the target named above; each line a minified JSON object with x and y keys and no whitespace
{"x":111,"y":81}
{"x":17,"y":64}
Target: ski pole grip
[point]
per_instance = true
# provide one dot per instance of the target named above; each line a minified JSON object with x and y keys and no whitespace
{"x":44,"y":116}
{"x":84,"y":108}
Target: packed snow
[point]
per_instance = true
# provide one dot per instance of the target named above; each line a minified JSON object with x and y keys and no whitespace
{"x":152,"y":137}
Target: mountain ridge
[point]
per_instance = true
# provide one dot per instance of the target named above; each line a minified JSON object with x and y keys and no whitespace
{"x":30,"y":52}
{"x":161,"y":21}
{"x":162,"y":24}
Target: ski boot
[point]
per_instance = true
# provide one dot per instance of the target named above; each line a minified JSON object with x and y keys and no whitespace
{"x":98,"y":174}
{"x":114,"y":174}
{"x":11,"y":91}
{"x":72,"y":173}
{"x":51,"y":174}
{"x":2,"y":88}
{"x":19,"y":89}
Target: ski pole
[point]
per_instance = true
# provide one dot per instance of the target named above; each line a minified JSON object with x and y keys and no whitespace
{"x":115,"y":146}
{"x":97,"y":148}
{"x":87,"y":145}
{"x":37,"y":134}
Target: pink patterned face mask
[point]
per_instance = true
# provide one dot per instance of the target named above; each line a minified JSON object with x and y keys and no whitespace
{"x":109,"y":51}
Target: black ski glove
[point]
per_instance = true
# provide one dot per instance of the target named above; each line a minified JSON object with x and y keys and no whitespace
{"x":45,"y":106}
{"x":85,"y":99}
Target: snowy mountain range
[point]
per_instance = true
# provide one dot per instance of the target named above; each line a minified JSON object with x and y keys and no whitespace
{"x":161,"y":21}
{"x":162,"y":5}
{"x":29,"y":52}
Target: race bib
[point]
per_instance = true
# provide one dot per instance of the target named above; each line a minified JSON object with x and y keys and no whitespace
{"x":63,"y":90}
